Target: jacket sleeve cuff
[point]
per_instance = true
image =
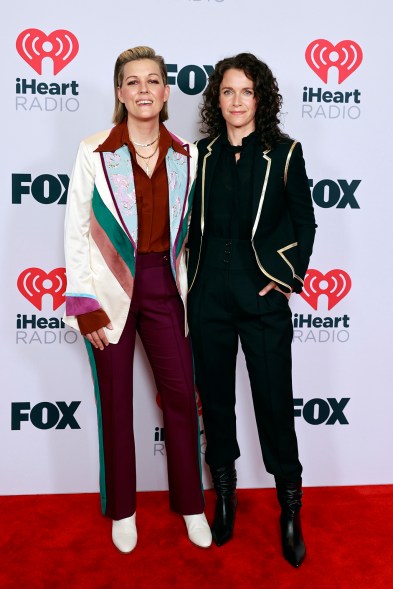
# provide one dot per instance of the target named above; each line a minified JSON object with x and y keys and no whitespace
{"x":297,"y":285}
{"x":92,"y":321}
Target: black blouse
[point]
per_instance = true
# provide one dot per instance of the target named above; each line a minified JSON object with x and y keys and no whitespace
{"x":230,"y":204}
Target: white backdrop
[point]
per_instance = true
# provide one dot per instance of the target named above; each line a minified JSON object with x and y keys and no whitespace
{"x":342,"y":344}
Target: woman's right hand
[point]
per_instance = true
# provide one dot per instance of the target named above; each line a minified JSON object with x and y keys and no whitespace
{"x":98,"y":338}
{"x":272,"y":285}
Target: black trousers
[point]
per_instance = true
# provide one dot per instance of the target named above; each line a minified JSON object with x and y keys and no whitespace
{"x":224,"y":306}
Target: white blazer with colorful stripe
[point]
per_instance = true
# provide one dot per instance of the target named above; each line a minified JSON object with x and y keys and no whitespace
{"x":101,"y":241}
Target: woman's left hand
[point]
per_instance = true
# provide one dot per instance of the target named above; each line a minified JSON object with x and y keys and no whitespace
{"x":272,"y":285}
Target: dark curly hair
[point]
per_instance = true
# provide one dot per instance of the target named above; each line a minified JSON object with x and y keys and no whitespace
{"x":269,"y":100}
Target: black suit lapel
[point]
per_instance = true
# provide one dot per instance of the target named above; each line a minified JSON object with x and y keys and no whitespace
{"x":261,"y":172}
{"x":209,"y":162}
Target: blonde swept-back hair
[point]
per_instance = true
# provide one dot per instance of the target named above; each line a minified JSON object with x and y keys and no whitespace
{"x":135,"y":54}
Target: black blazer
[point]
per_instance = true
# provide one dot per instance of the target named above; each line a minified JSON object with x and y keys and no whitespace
{"x":283,"y":216}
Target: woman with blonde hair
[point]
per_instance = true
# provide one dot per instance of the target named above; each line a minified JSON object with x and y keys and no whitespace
{"x":128,"y":210}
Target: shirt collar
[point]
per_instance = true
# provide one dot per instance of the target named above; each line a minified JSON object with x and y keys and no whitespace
{"x":252,"y":137}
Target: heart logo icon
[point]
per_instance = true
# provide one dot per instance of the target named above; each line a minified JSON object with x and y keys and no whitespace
{"x":335,"y":284}
{"x":33,"y":283}
{"x":346,"y":56}
{"x":61,"y":46}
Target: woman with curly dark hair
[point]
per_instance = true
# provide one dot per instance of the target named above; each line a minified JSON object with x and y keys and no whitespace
{"x":251,"y":237}
{"x":268,"y":105}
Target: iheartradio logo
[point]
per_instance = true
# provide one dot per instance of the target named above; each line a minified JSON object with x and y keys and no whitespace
{"x":34,"y":283}
{"x":346,"y":56}
{"x":335,"y":285}
{"x":34,"y":45}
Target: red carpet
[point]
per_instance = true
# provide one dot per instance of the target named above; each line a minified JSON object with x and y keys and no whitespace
{"x":62,"y":541}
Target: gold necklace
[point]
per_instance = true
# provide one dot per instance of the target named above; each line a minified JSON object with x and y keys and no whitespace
{"x":144,"y":157}
{"x":146,"y":144}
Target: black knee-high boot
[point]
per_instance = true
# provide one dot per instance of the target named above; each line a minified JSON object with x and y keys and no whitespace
{"x":224,"y":481}
{"x":289,"y":496}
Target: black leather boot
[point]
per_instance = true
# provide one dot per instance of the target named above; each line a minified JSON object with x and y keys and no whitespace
{"x":224,"y":481}
{"x":289,"y":496}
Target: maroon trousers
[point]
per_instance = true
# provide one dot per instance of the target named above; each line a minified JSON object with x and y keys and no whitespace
{"x":157,"y":314}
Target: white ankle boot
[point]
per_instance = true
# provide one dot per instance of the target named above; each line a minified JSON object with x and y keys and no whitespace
{"x":198,"y":530}
{"x":124,"y":534}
